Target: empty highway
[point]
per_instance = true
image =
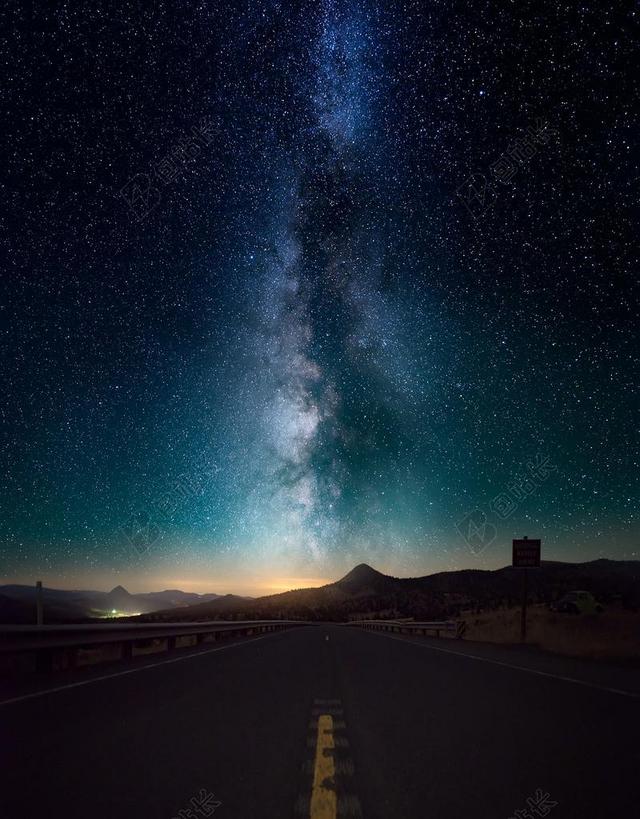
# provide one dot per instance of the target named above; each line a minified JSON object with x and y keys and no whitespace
{"x":325,"y":721}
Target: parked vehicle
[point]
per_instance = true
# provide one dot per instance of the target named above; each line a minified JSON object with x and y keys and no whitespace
{"x":578,"y":602}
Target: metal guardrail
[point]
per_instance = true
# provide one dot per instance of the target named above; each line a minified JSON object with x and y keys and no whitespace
{"x":452,"y":628}
{"x":59,"y":645}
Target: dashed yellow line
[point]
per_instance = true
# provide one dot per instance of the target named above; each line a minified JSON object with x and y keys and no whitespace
{"x":324,"y":802}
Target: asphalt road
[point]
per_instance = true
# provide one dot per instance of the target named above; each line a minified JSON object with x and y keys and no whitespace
{"x":407,"y":731}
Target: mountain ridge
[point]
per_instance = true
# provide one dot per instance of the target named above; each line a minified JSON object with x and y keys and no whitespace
{"x":363,"y":591}
{"x":17,"y":602}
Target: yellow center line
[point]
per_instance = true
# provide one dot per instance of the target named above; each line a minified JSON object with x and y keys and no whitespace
{"x":324,"y":802}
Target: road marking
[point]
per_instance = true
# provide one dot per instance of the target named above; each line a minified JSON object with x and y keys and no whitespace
{"x":328,"y":770}
{"x":324,"y":802}
{"x":584,"y":683}
{"x":35,"y":694}
{"x":334,"y":710}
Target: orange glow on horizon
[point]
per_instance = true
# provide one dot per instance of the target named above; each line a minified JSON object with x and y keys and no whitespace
{"x":137,"y":583}
{"x":251,"y":587}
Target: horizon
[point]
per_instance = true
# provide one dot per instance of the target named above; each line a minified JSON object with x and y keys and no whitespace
{"x":282,"y":586}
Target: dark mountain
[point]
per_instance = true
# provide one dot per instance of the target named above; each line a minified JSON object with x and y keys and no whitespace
{"x":172,"y":598}
{"x":220,"y":608}
{"x":16,"y":611}
{"x":364,"y":580}
{"x":120,"y":600}
{"x":365,"y":592}
{"x":17,"y":603}
{"x":60,"y":605}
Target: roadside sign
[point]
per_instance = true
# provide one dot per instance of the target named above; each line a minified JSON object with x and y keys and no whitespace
{"x":526,"y":554}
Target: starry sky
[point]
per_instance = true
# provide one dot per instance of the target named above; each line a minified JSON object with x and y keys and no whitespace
{"x":290,"y":286}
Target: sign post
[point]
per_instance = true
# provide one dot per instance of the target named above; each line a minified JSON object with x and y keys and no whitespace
{"x":526,"y":555}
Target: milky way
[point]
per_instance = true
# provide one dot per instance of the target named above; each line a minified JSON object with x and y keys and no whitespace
{"x":318,"y":270}
{"x":293,"y":286}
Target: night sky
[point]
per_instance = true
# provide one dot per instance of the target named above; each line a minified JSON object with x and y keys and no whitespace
{"x":290,"y":286}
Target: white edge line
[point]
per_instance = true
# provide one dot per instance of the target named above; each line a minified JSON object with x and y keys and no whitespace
{"x":42,"y":693}
{"x":632,"y":694}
